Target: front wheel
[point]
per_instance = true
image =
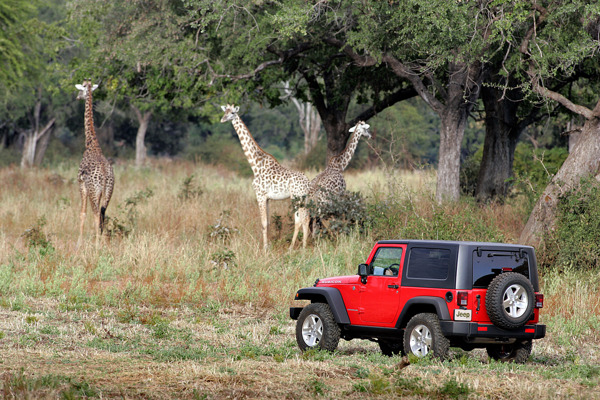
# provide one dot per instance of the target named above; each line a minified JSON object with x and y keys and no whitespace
{"x":517,"y":352}
{"x":316,"y":328}
{"x":423,"y":336}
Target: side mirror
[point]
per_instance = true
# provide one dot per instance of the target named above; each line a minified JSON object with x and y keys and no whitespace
{"x":363,"y":271}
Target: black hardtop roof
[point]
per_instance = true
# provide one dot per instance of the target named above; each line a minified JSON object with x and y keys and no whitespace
{"x":455,"y":243}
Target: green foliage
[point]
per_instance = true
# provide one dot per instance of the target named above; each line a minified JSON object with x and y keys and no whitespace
{"x":189,"y":189}
{"x":123,"y":223}
{"x":221,"y":231}
{"x":408,"y":215}
{"x":338,"y":214}
{"x":37,"y":239}
{"x":576,"y":239}
{"x":534,"y":168}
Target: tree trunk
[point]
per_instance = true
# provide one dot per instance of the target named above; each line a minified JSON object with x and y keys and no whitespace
{"x":453,"y":123}
{"x":310,"y":121}
{"x":502,"y":131}
{"x":583,"y":161}
{"x":42,"y":147}
{"x":140,"y":147}
{"x":32,"y":137}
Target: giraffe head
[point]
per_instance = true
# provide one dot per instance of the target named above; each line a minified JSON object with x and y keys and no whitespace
{"x":85,"y":88}
{"x":362,"y":129}
{"x":230,"y":112}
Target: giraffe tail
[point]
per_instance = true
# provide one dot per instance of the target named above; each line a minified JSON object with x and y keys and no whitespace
{"x":102,"y":217}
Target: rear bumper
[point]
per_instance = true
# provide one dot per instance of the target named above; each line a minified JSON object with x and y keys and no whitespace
{"x":475,"y":330}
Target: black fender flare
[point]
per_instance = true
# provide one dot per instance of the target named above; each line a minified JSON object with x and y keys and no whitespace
{"x":331,"y":296}
{"x":440,"y":304}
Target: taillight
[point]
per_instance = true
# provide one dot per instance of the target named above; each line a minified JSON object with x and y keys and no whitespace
{"x":539,"y":300}
{"x":462,"y":298}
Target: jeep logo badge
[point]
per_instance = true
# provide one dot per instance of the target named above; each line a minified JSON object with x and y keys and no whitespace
{"x":462,"y":315}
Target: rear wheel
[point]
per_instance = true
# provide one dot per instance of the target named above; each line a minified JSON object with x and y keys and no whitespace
{"x":316,"y":328}
{"x":423,"y":336}
{"x":517,"y":352}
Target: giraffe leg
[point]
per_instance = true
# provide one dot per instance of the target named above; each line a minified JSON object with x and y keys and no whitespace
{"x":84,"y":196}
{"x":95,"y":203}
{"x":263,"y":207}
{"x":296,"y":228}
{"x":305,"y":226}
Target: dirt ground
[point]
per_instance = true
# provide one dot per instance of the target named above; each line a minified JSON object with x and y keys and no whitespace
{"x":50,"y":351}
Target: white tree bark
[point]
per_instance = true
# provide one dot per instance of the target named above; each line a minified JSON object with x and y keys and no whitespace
{"x":140,"y":148}
{"x":309,"y":119}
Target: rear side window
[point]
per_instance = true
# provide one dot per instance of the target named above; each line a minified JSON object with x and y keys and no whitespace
{"x":489,"y":263}
{"x":428,"y":264}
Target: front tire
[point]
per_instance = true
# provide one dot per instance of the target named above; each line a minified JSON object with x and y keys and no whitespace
{"x":316,"y":328}
{"x":423,"y":336}
{"x":517,"y":352}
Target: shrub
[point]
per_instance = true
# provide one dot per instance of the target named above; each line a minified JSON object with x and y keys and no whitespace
{"x":576,"y":238}
{"x":338,"y":214}
{"x":403,"y":214}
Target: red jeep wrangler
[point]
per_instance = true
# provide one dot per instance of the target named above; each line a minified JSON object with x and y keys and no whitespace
{"x":422,"y":297}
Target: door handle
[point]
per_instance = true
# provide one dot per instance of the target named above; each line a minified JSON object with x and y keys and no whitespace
{"x":393,"y":286}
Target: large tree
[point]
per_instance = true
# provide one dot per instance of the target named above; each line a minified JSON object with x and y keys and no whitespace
{"x":562,"y":38}
{"x":31,"y":78}
{"x":247,"y":49}
{"x":440,"y":47}
{"x":137,"y":51}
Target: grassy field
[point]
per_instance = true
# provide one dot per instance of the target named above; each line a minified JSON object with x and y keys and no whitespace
{"x":182,"y":303}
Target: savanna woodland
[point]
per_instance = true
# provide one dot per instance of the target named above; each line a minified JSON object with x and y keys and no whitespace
{"x":484,"y":125}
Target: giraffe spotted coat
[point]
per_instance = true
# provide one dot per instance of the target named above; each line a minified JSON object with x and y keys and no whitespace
{"x":272,"y":181}
{"x":96,"y":177}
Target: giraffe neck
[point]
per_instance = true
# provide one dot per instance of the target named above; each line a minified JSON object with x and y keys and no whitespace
{"x":252,"y":150}
{"x":91,"y":142}
{"x":342,"y":160}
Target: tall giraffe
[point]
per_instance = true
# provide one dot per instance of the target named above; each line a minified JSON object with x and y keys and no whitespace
{"x":271,"y":180}
{"x":96,"y":177}
{"x":331,"y":180}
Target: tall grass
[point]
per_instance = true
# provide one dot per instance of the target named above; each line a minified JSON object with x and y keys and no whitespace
{"x":204,"y":247}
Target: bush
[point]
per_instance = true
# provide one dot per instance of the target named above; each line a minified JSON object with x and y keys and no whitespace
{"x":338,"y":214}
{"x":403,"y":214}
{"x":576,"y":239}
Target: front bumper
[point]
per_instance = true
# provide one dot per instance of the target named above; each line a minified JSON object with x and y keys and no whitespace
{"x":475,"y":330}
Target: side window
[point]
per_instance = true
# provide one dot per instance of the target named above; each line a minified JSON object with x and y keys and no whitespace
{"x":426,"y":263}
{"x":386,"y":261}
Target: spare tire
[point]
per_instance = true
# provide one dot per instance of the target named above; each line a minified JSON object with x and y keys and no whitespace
{"x":509,"y":300}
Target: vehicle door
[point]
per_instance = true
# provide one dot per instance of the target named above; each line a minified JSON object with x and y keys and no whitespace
{"x":380,"y":294}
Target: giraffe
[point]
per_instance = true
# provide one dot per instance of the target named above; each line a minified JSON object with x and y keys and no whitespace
{"x":96,"y":177}
{"x":272,"y":181}
{"x":331,"y":182}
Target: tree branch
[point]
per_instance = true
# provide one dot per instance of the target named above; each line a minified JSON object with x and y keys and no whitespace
{"x":535,"y":80}
{"x":399,"y":68}
{"x":283,"y":57}
{"x":402,"y":94}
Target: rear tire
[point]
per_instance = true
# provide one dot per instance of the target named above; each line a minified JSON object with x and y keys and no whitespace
{"x":423,"y":336}
{"x":316,"y":328}
{"x":517,"y":352}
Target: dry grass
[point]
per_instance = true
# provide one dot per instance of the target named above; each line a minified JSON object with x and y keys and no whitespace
{"x":187,"y":305}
